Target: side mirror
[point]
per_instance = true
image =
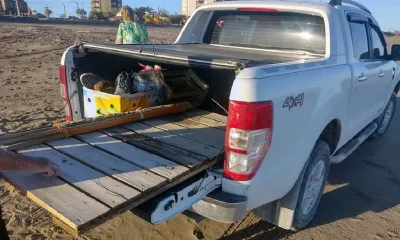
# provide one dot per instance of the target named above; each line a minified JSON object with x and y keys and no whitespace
{"x":395,"y":52}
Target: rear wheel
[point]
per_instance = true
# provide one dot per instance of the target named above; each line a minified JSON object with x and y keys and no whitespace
{"x":313,"y":184}
{"x":384,"y":120}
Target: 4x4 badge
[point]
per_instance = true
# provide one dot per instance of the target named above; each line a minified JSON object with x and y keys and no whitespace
{"x":292,"y":101}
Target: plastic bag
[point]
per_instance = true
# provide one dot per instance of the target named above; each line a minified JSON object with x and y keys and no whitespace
{"x":144,"y":81}
{"x":149,"y":80}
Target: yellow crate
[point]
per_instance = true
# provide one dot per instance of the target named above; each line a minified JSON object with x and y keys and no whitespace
{"x":99,"y":103}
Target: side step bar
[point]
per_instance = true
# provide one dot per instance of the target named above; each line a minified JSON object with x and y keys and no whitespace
{"x":352,"y":145}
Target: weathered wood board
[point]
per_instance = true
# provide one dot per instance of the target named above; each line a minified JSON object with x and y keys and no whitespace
{"x":192,"y":134}
{"x":106,"y":163}
{"x":99,"y":186}
{"x":68,"y":204}
{"x":139,"y":157}
{"x":180,"y":156}
{"x":216,"y":133}
{"x":173,"y":139}
{"x":215,"y":116}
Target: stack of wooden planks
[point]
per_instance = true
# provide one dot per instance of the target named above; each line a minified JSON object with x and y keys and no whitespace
{"x":107,"y":172}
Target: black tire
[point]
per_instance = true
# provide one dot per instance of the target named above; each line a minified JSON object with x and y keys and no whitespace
{"x":320,"y":154}
{"x":380,"y":120}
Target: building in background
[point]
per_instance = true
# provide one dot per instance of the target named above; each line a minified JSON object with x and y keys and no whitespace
{"x":189,"y":6}
{"x":6,"y":6}
{"x":22,"y":6}
{"x":106,"y":6}
{"x":14,"y":7}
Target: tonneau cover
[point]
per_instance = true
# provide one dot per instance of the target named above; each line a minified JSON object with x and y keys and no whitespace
{"x":218,"y":56}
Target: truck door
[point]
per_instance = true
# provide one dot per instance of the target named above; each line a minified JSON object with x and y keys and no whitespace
{"x":383,"y":65}
{"x":368,"y":75}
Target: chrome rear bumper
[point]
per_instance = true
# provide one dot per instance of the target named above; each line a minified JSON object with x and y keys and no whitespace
{"x":222,"y":207}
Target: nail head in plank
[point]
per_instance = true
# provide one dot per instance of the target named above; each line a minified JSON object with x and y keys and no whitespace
{"x":108,"y":164}
{"x":132,"y":154}
{"x":189,"y":133}
{"x":68,"y":204}
{"x":92,"y":182}
{"x":174,"y":140}
{"x":180,"y":156}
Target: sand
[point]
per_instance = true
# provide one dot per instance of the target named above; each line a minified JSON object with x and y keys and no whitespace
{"x":361,"y":200}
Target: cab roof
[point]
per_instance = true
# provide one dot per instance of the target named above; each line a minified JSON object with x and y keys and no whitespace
{"x":301,"y":5}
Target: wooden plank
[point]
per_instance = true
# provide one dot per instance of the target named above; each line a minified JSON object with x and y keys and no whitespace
{"x":173,"y":139}
{"x":189,"y":133}
{"x":180,"y":156}
{"x":110,"y":165}
{"x":146,"y":160}
{"x":205,"y":121}
{"x":218,"y":134}
{"x":74,"y":208}
{"x":23,"y":133}
{"x":29,"y":136}
{"x":97,"y":185}
{"x":215,"y":116}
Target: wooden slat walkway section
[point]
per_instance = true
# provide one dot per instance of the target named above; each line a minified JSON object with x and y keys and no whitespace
{"x":210,"y":115}
{"x":189,"y":133}
{"x":109,"y":191}
{"x":141,"y":158}
{"x":108,"y":164}
{"x":205,"y":120}
{"x":180,"y":156}
{"x":107,"y":172}
{"x":71,"y":206}
{"x":173,"y":139}
{"x":217,"y":134}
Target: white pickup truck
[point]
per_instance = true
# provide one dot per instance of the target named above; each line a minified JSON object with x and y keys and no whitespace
{"x":304,"y":84}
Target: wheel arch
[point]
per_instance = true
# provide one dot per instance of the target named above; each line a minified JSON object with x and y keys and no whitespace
{"x":331,"y":134}
{"x":281,"y":211}
{"x":397,"y":88}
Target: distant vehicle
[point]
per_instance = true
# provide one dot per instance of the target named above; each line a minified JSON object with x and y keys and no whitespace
{"x":304,"y":85}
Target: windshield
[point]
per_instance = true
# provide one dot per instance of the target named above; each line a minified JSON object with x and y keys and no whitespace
{"x":267,"y":30}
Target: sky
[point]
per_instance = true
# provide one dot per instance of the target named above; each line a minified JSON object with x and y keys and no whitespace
{"x":385,"y":11}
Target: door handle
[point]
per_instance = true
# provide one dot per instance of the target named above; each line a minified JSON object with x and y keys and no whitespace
{"x":381,"y":74}
{"x":362,"y":77}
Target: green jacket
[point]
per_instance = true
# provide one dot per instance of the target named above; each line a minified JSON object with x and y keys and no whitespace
{"x":132,"y":33}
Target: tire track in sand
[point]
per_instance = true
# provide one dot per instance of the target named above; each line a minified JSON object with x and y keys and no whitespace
{"x":252,"y":227}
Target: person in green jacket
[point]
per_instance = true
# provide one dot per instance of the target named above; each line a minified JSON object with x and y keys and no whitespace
{"x":131,"y":31}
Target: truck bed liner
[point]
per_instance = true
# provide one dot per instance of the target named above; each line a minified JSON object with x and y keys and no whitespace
{"x":108,"y":172}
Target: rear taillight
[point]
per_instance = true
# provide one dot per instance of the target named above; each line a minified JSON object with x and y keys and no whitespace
{"x":64,"y":92}
{"x":248,"y":137}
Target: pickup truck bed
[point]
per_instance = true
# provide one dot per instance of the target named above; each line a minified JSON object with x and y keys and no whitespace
{"x":111,"y":171}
